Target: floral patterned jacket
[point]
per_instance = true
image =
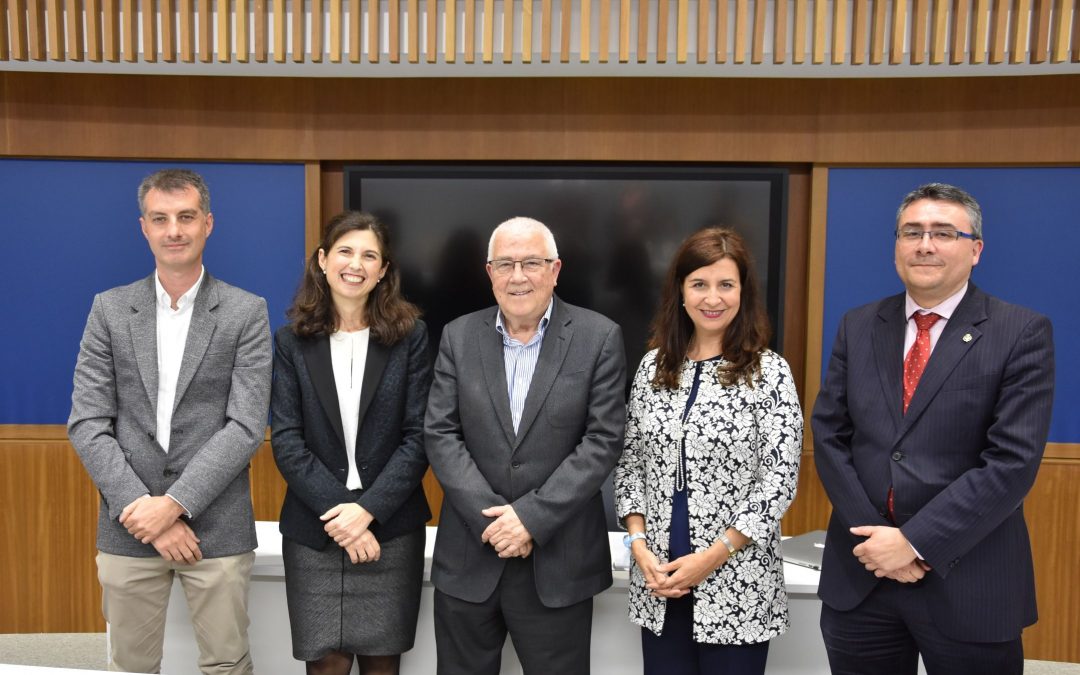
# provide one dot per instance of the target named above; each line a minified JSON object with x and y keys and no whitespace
{"x":742,"y":464}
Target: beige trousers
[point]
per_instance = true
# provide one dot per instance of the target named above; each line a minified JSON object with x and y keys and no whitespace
{"x":135,"y":597}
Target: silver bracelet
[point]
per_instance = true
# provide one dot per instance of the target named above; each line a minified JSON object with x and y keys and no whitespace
{"x":727,"y":542}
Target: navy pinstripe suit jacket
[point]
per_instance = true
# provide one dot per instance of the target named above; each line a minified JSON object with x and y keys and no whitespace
{"x":960,"y":461}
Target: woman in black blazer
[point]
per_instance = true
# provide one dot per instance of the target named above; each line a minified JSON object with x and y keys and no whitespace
{"x":351,"y":379}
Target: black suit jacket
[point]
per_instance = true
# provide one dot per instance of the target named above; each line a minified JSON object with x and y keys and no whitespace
{"x":309,"y":444}
{"x":960,"y":461}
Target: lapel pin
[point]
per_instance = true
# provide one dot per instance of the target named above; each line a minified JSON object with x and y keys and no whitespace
{"x":967,"y":337}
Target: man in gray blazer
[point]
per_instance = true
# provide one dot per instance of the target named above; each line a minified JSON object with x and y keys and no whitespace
{"x":172,"y":388}
{"x":524,"y":423}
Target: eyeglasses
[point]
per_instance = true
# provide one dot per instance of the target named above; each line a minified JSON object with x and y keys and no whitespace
{"x":914,"y":235}
{"x":504,"y":266}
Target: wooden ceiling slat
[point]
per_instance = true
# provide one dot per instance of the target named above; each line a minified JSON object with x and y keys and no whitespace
{"x":999,"y":28}
{"x":757,"y":41}
{"x":798,"y":27}
{"x":898,"y":33}
{"x":742,"y":12}
{"x":839,"y":32}
{"x":54,"y":21}
{"x":939,"y":31}
{"x":1039,"y":47}
{"x":979,"y":18}
{"x":860,"y":31}
{"x":960,"y":16}
{"x":877,"y":32}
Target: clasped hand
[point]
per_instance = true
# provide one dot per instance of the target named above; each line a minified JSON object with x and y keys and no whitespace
{"x":678,"y":577}
{"x":147,"y":518}
{"x":507,"y":534}
{"x":347,"y":524}
{"x":888,"y":554}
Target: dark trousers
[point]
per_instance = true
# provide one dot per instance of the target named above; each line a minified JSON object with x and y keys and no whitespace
{"x":888,"y":631}
{"x":469,"y":636}
{"x":674,"y":652}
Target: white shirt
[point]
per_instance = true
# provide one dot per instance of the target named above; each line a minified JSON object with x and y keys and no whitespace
{"x":348,"y":354}
{"x":172,"y":331}
{"x":944,"y":309}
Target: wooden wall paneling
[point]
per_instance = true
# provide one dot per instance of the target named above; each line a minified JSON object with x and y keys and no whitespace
{"x":979,"y":19}
{"x":919,"y":17}
{"x":585,"y":49}
{"x":17,"y":25}
{"x":999,"y":24}
{"x":337,"y":25}
{"x":757,"y":41}
{"x":702,"y":49}
{"x":1040,"y":31}
{"x":795,"y":271}
{"x":206,"y":32}
{"x":149,"y":15}
{"x":414,"y":28}
{"x":1059,"y":30}
{"x":261,"y":23}
{"x":280,"y":19}
{"x":877,"y":32}
{"x":818,"y":50}
{"x":267,"y":485}
{"x":898,"y":34}
{"x":603,"y":40}
{"x":741,"y":18}
{"x":431,"y":46}
{"x":939,"y":31}
{"x":643,"y":32}
{"x":663,"y":12}
{"x":1021,"y":32}
{"x":5,"y":46}
{"x":487,"y":31}
{"x":860,"y":31}
{"x":373,"y":19}
{"x":54,"y":21}
{"x":36,"y":30}
{"x":815,"y":293}
{"x":470,"y":29}
{"x":394,"y":28}
{"x":960,"y":30}
{"x":839,"y":31}
{"x":798,"y":29}
{"x":242,"y":30}
{"x":187,"y":31}
{"x":624,"y":31}
{"x":313,"y":206}
{"x":298,"y":43}
{"x":317,"y":26}
{"x":356,"y":27}
{"x":566,"y":15}
{"x":167,"y":11}
{"x":811,"y":508}
{"x":223,"y":19}
{"x":527,"y":30}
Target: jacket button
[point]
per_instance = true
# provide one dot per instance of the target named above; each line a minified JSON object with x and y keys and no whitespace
{"x":169,"y":473}
{"x":150,"y":434}
{"x":897,"y":456}
{"x":363,"y":467}
{"x":516,"y":465}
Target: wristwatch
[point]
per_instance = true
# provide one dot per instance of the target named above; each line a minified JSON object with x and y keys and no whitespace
{"x":629,"y":539}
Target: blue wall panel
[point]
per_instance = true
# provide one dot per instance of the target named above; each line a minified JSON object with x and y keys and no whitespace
{"x":71,"y":229}
{"x":1031,"y":223}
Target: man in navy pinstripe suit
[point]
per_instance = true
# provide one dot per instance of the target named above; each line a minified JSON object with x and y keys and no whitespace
{"x":928,"y":433}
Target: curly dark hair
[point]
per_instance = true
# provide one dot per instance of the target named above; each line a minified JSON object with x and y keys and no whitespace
{"x":390,"y":316}
{"x":745,"y":337}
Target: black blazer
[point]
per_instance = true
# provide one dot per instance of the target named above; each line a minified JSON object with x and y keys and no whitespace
{"x":309,"y":444}
{"x":961,"y":460}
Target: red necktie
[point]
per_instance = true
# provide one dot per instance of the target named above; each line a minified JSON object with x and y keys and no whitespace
{"x":914,"y":365}
{"x":916,"y":359}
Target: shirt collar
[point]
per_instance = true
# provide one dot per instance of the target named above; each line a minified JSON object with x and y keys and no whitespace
{"x":544,"y":320}
{"x":944,"y":309}
{"x":165,"y":301}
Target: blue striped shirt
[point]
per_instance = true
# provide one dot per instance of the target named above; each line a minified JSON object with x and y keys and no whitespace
{"x":519,"y":360}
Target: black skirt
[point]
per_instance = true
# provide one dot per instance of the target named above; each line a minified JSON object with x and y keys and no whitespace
{"x":367,"y":608}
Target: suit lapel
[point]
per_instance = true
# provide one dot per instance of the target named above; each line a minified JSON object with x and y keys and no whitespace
{"x":552,"y":354}
{"x":143,"y":326}
{"x":494,"y":369}
{"x":321,"y":371}
{"x":888,"y":337}
{"x":377,"y":356}
{"x":960,"y":334}
{"x":200,"y":330}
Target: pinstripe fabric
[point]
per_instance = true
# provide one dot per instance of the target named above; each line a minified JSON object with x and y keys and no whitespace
{"x":520,"y":362}
{"x":962,"y":459}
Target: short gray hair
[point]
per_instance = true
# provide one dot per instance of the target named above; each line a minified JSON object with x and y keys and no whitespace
{"x":175,"y":180}
{"x":943,"y":192}
{"x":523,"y":225}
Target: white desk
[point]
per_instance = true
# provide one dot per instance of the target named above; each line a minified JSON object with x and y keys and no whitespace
{"x":616,"y":643}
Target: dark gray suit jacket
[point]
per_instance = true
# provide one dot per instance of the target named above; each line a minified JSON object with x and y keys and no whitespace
{"x":218,"y":422}
{"x":960,"y":461}
{"x":551,"y":471}
{"x":309,"y":444}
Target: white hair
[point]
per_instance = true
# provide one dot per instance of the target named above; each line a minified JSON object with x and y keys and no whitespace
{"x":521,"y":225}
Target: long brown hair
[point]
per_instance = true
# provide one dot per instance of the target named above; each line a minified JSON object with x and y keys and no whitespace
{"x":745,"y":337}
{"x":389,"y":315}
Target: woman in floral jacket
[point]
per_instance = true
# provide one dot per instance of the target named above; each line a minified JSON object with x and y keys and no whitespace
{"x":713,"y":438}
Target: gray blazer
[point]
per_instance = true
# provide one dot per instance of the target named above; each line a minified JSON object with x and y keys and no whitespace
{"x":219,"y":418}
{"x":551,"y":471}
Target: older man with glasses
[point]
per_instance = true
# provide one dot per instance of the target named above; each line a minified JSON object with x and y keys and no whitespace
{"x":928,"y":433}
